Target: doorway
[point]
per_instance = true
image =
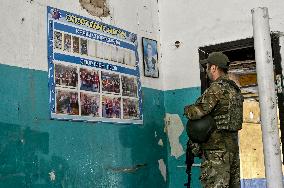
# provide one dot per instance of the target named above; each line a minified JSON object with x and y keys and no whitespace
{"x":242,"y":69}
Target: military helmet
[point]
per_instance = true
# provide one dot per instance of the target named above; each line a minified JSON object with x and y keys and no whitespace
{"x":199,"y":130}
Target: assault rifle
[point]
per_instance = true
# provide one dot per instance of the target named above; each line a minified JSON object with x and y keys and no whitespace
{"x":198,"y":131}
{"x":189,"y":160}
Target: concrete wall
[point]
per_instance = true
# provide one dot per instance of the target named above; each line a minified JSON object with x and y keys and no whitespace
{"x":38,"y":152}
{"x":26,"y":21}
{"x":196,"y":24}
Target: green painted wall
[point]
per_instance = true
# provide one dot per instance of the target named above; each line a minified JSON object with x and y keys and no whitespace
{"x":175,"y":100}
{"x":80,"y":154}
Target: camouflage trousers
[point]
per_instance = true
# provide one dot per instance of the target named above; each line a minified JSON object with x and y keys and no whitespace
{"x":220,"y":169}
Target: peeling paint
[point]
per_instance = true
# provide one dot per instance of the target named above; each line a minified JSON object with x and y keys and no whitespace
{"x":174,"y":129}
{"x":97,"y":8}
{"x":161,"y":142}
{"x":52,"y":175}
{"x":163,"y":169}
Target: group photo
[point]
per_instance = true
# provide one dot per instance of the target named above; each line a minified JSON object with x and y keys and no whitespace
{"x":111,"y":107}
{"x":90,"y":104}
{"x":129,"y":86}
{"x":110,"y":82}
{"x":130,"y":109}
{"x":67,"y":102}
{"x":66,"y":75}
{"x":89,"y":80}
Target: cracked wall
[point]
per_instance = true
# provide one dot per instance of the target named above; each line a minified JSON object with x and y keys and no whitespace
{"x":36,"y":151}
{"x":97,"y":8}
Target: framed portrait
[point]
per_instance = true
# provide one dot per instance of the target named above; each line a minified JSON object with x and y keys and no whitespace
{"x":150,"y":58}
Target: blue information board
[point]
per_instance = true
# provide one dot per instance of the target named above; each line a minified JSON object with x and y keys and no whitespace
{"x":93,"y":70}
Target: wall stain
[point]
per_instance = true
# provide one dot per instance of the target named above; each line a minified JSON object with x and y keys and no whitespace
{"x":174,"y":129}
{"x":163,"y":168}
{"x":128,"y":169}
{"x":96,"y":8}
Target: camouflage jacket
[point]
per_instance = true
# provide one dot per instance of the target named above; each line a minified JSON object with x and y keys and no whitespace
{"x":216,"y":101}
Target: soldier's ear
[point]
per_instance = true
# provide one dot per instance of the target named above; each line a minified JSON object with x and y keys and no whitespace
{"x":214,"y":67}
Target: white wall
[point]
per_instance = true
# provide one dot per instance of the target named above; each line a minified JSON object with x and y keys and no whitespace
{"x":23,"y":33}
{"x":194,"y":23}
{"x":201,"y":23}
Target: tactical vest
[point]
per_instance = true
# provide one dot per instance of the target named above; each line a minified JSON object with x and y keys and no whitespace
{"x":230,"y":115}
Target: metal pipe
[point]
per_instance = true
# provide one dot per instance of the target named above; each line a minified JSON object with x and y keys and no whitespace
{"x":267,"y":97}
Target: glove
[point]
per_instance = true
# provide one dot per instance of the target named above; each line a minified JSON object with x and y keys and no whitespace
{"x":186,"y":111}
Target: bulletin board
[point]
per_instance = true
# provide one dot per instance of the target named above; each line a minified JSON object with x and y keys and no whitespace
{"x":93,"y":70}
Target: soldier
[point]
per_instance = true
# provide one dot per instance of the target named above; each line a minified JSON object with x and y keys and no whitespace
{"x":220,"y":167}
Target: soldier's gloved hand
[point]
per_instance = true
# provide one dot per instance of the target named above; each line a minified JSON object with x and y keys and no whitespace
{"x":186,"y":110}
{"x":195,"y":149}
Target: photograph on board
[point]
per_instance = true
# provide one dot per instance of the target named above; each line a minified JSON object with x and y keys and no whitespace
{"x":67,"y":43}
{"x":132,"y":59}
{"x":67,"y":102}
{"x":129,"y":86}
{"x":114,"y":50}
{"x":100,"y":51}
{"x":120,"y":55}
{"x":84,"y":46}
{"x":150,"y":58}
{"x":130,"y":109}
{"x":103,"y":54}
{"x":111,"y":107}
{"x":108,"y":52}
{"x":66,"y":75}
{"x":76,"y":44}
{"x":92,"y":48}
{"x":90,"y":104}
{"x":57,"y":40}
{"x":89,"y":80}
{"x":127,"y":57}
{"x":110,"y":82}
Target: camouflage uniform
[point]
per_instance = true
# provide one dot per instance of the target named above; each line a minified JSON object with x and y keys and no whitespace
{"x":221,"y":166}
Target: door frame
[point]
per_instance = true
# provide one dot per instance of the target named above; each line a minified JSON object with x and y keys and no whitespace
{"x":204,"y":51}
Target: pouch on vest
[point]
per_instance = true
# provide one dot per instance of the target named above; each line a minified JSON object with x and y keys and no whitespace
{"x":233,"y":119}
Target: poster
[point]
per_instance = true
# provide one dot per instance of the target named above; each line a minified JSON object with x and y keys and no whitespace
{"x":93,"y":70}
{"x":150,"y":58}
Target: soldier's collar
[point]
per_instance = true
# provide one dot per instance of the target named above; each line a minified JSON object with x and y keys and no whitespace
{"x":225,"y":76}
